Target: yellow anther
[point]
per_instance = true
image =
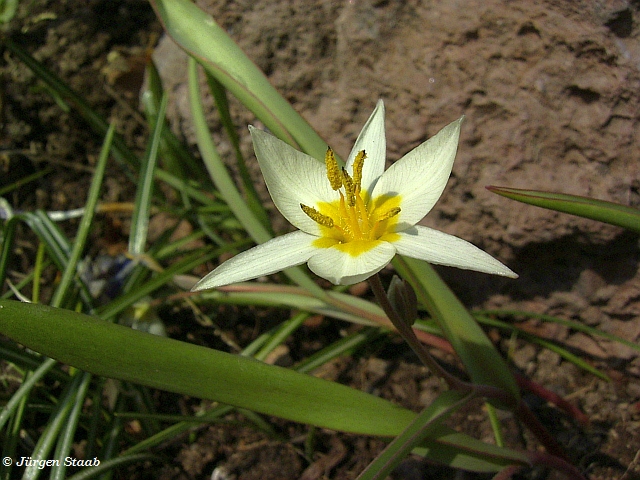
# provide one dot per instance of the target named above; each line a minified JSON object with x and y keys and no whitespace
{"x":333,"y":171}
{"x":389,"y":213}
{"x":358,"y":162}
{"x":353,"y":220}
{"x":349,"y":188}
{"x":317,"y":217}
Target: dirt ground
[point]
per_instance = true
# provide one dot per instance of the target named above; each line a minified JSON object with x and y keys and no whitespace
{"x":551,"y":95}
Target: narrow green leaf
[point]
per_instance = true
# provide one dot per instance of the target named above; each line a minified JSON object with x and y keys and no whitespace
{"x":175,"y":156}
{"x":58,"y":245}
{"x":199,"y":34}
{"x":7,"y":10}
{"x":68,"y":434}
{"x":224,"y":183}
{"x":335,"y":304}
{"x":115,"y":351}
{"x":70,"y":271}
{"x":6,"y":246}
{"x":24,"y":180}
{"x":216,"y":167}
{"x":578,"y":326}
{"x":418,"y":430}
{"x":57,"y":421}
{"x":608,"y":212}
{"x":140,"y":218}
{"x":253,"y":200}
{"x":23,"y":392}
{"x":563,"y":352}
{"x":461,"y":451}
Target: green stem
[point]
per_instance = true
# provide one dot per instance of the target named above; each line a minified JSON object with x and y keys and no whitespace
{"x":405,"y":330}
{"x":521,"y":411}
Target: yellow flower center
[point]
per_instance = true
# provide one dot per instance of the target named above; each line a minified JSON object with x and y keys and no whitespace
{"x":353,"y":223}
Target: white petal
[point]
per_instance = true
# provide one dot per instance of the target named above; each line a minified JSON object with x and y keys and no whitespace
{"x":444,"y":249}
{"x":373,"y":141}
{"x":277,"y":254}
{"x":421,"y":175}
{"x":292,"y":178}
{"x":340,"y":268}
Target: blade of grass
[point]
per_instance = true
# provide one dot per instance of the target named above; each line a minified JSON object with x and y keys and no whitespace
{"x":281,"y":334}
{"x":580,"y":327}
{"x":58,"y":246}
{"x":6,"y":252}
{"x":175,"y":156}
{"x":495,"y":424}
{"x":549,"y":345}
{"x":56,"y":422}
{"x":67,"y":436}
{"x":23,"y":391}
{"x":344,"y":346}
{"x":360,"y":311}
{"x":24,"y":180}
{"x":37,"y":273}
{"x":215,"y":166}
{"x":12,"y":436}
{"x":8,"y":10}
{"x":70,"y":270}
{"x":140,"y":218}
{"x":190,"y":189}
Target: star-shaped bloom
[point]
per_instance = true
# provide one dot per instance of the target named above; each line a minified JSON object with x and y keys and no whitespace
{"x":352,"y":220}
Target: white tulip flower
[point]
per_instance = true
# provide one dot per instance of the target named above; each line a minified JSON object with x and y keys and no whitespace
{"x":351,"y":221}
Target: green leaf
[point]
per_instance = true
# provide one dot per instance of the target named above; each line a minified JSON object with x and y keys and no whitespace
{"x":79,"y":243}
{"x":201,"y":37}
{"x":115,"y":351}
{"x":334,"y":304}
{"x":224,"y":183}
{"x":111,"y":350}
{"x":140,"y":218}
{"x":608,"y":212}
{"x":417,"y":431}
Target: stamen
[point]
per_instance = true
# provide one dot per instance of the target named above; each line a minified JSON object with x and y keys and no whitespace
{"x":317,"y":217}
{"x":333,"y":171}
{"x":358,"y":162}
{"x":390,"y":213}
{"x":352,"y":218}
{"x":349,"y":188}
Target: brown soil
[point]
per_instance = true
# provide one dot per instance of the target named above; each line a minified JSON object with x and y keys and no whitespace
{"x":551,"y":95}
